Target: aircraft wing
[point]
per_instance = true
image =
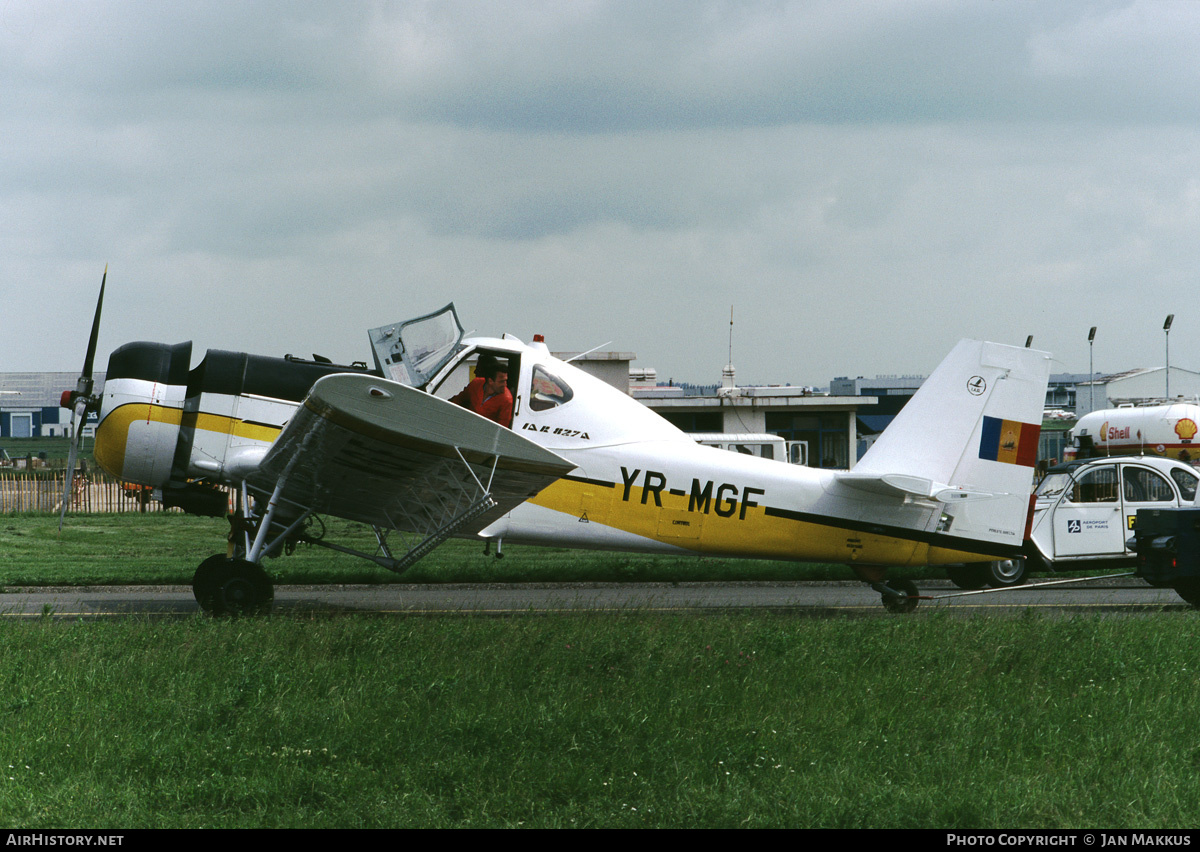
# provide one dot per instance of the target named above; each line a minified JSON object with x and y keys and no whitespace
{"x":382,"y":453}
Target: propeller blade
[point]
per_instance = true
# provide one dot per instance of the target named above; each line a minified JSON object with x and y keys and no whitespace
{"x":90,"y":360}
{"x":81,"y":402}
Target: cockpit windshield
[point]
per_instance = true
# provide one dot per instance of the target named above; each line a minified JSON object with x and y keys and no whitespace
{"x":548,"y":390}
{"x":413,"y":351}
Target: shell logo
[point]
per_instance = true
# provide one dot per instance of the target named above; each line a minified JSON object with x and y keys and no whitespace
{"x":1104,"y":432}
{"x":1186,"y":428}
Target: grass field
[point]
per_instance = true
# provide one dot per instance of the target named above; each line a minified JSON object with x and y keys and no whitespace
{"x":600,"y":720}
{"x":584,"y":720}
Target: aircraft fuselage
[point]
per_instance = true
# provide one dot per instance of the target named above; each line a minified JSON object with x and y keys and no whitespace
{"x":640,"y":483}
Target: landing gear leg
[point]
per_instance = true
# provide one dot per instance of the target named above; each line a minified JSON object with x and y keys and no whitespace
{"x":225,"y":586}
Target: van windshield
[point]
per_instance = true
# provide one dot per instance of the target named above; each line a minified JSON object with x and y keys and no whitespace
{"x":1053,"y":485}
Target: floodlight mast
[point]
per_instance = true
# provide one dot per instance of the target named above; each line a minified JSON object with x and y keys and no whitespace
{"x":1091,"y":371}
{"x":1167,"y":336}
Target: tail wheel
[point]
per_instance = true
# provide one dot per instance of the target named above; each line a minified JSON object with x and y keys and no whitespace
{"x":225,"y":586}
{"x":905,"y":601}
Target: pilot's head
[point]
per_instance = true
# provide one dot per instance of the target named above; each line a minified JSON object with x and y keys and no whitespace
{"x":496,"y":383}
{"x":494,"y":373}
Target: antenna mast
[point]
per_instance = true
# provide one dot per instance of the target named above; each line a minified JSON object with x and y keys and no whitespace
{"x":727,"y":373}
{"x":730,"y":334}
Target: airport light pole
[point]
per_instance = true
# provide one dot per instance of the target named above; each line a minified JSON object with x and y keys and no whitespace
{"x":1167,"y":336}
{"x":1091,"y":370}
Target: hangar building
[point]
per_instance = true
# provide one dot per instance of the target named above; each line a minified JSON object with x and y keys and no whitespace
{"x":29,"y":405}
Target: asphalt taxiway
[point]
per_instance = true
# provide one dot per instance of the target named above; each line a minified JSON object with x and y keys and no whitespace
{"x":812,"y":598}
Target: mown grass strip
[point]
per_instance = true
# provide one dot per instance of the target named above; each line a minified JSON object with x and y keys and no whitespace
{"x":602,"y":720}
{"x":166,"y":548}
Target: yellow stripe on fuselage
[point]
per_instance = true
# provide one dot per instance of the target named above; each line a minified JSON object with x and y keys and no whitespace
{"x":112,"y":433}
{"x":734,"y":525}
{"x":223,"y":425}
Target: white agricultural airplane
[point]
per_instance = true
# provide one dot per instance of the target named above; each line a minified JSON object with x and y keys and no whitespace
{"x":584,"y":465}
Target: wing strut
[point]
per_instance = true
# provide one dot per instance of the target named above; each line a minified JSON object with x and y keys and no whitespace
{"x":438,"y":528}
{"x":436,"y":537}
{"x":451,"y":508}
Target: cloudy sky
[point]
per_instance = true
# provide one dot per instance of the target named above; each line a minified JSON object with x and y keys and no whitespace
{"x":863,"y":183}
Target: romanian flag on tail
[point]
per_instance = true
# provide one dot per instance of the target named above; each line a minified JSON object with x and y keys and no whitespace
{"x":1009,"y":441}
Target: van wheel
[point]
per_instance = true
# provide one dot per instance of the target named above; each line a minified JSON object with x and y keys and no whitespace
{"x":1188,"y":588}
{"x":1005,"y":572}
{"x":967,"y":577}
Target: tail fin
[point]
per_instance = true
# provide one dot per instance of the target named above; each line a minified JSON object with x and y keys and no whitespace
{"x":971,"y":431}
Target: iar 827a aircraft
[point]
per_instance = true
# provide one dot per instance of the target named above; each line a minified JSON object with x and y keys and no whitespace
{"x":583,"y":465}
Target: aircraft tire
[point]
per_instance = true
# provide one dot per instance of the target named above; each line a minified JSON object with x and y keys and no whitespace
{"x":1005,"y":572}
{"x":1188,"y":588}
{"x":232,"y":587}
{"x":904,"y":602}
{"x":203,"y":585}
{"x":966,"y":577}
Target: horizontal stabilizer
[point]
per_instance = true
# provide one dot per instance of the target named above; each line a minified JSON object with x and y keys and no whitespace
{"x":957,"y":495}
{"x":902,"y":485}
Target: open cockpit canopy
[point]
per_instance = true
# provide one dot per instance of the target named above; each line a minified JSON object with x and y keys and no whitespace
{"x":413,"y":351}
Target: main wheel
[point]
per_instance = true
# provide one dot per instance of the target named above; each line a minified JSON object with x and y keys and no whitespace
{"x":232,"y":587}
{"x":906,"y":601}
{"x":204,"y":580}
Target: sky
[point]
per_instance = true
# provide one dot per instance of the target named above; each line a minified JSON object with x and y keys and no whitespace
{"x":860,"y":183}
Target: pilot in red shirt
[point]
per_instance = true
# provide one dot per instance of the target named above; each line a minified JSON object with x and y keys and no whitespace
{"x":488,"y":393}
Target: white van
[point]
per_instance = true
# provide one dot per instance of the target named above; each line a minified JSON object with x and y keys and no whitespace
{"x":1082,"y":517}
{"x":1084,"y":511}
{"x":764,"y":446}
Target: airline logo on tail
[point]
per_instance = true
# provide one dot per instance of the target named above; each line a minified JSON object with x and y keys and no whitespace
{"x":1009,"y":441}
